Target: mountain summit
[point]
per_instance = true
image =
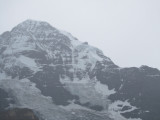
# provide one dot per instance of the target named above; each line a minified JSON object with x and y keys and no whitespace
{"x":30,"y":25}
{"x":59,"y":77}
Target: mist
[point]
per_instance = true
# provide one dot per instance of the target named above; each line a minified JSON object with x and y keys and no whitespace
{"x":127,"y":31}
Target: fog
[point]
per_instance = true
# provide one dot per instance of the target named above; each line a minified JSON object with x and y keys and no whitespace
{"x":127,"y":31}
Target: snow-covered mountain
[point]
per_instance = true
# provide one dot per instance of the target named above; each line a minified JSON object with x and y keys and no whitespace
{"x":58,"y":77}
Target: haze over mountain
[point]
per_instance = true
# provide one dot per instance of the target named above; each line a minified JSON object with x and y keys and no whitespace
{"x":58,"y":77}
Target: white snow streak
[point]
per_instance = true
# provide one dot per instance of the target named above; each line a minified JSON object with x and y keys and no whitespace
{"x":115,"y":110}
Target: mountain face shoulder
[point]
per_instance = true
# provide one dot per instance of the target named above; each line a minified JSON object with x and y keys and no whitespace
{"x":49,"y":71}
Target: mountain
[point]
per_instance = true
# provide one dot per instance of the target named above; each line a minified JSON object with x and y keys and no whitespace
{"x":52,"y":73}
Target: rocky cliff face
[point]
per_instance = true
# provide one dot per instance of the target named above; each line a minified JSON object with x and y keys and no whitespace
{"x":65,"y":77}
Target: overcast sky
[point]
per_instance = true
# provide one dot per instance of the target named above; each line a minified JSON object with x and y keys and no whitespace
{"x":128,"y":31}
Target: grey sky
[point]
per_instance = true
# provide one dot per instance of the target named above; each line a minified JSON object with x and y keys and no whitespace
{"x":128,"y":31}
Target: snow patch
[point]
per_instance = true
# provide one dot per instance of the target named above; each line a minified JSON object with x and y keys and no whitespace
{"x":87,"y":90}
{"x":103,"y":89}
{"x":29,"y":63}
{"x":115,"y":110}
